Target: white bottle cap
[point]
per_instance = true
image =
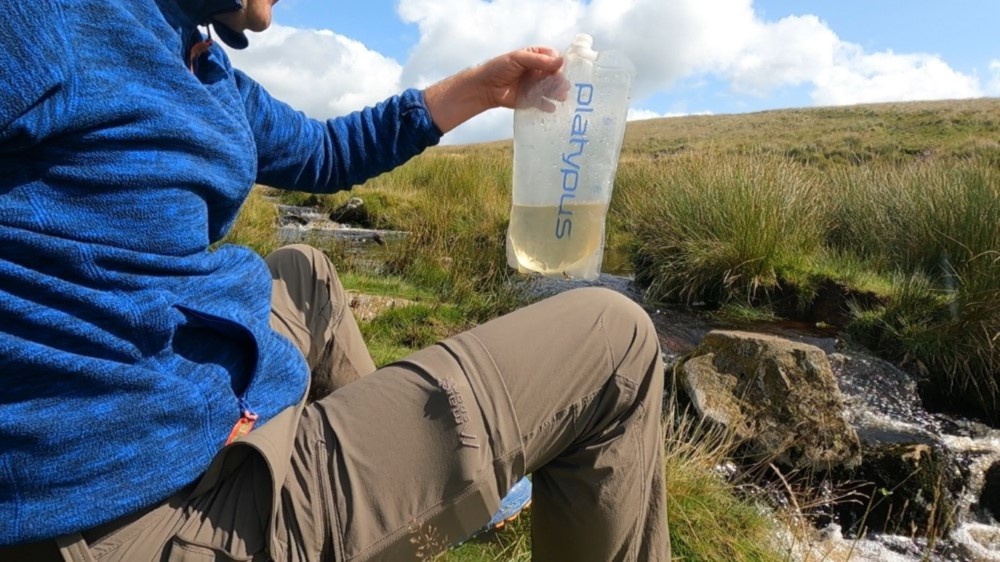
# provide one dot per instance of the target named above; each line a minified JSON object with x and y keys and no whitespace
{"x":582,"y":47}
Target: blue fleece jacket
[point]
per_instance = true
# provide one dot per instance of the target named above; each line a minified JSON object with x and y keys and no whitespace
{"x":128,"y":350}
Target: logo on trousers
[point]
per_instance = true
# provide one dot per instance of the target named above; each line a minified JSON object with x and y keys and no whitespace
{"x":460,"y":412}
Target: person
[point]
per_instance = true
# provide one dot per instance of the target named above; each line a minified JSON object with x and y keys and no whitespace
{"x":153,"y":403}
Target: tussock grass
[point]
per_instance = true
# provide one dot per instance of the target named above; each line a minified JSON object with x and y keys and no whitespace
{"x":722,"y":230}
{"x":936,"y":229}
{"x":709,"y":519}
{"x":898,"y":205}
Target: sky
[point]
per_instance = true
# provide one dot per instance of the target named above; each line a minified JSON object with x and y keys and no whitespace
{"x":692,"y":57}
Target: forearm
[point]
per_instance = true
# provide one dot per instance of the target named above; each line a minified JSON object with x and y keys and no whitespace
{"x":455,"y":100}
{"x":299,"y":153}
{"x":494,"y":83}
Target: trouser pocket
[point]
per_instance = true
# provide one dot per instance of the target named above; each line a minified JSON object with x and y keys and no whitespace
{"x":182,"y":550}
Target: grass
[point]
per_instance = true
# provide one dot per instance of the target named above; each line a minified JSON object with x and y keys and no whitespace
{"x":894,"y":205}
{"x":719,"y":230}
{"x":256,"y":225}
{"x":510,"y":544}
{"x":897,"y":205}
{"x":710,"y":519}
{"x":401,"y":331}
{"x":384,"y":285}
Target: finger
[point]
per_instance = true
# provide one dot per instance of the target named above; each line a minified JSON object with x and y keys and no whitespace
{"x":538,"y":58}
{"x":547,"y":106}
{"x":556,"y":88}
{"x":543,"y":50}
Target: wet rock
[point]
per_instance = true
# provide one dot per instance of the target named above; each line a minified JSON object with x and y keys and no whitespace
{"x":908,"y":475}
{"x":777,"y":395}
{"x":352,"y":212}
{"x":298,"y":220}
{"x":989,"y":500}
{"x":910,"y":482}
{"x":880,"y":395}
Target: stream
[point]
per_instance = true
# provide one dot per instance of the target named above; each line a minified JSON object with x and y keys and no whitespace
{"x":882,"y":402}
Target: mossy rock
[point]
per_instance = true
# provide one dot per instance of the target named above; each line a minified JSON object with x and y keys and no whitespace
{"x":779,"y":396}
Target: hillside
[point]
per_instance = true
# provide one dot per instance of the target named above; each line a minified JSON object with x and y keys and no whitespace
{"x":822,"y":135}
{"x":850,"y":134}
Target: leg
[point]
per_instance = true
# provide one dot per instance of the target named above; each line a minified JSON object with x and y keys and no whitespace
{"x":418,"y":455}
{"x":309,"y":307}
{"x":592,"y":435}
{"x":404,"y":462}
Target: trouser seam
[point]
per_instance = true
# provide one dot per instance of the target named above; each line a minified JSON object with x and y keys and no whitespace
{"x":640,"y":414}
{"x":557,"y":415}
{"x":74,"y":549}
{"x":328,"y":500}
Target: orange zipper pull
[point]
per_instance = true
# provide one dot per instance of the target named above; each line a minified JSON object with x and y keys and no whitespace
{"x":243,"y":426}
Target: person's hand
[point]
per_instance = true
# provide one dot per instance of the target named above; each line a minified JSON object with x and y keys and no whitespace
{"x":504,"y":77}
{"x":495,"y":83}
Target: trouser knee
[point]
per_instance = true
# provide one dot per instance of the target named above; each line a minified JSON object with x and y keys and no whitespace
{"x":300,"y":265}
{"x":629,"y":328}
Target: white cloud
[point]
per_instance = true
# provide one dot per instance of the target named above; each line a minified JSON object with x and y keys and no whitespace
{"x":723,"y":40}
{"x":643,"y":114}
{"x":318,"y":71}
{"x":455,"y":34}
{"x":789,"y":52}
{"x":994,"y":87}
{"x":637,"y":114}
{"x":857,"y":77}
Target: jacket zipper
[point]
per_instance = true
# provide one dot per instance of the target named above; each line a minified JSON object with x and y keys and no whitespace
{"x":244,"y":424}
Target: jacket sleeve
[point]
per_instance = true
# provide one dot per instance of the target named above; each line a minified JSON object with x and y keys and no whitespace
{"x":33,"y":61}
{"x":304,"y":154}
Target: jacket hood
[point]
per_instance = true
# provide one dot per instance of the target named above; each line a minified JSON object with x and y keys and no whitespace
{"x":203,"y":12}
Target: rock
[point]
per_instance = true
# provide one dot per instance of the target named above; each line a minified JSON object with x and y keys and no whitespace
{"x":777,"y":395}
{"x":367,"y":307}
{"x":352,"y":212}
{"x":910,"y":483}
{"x":910,"y":474}
{"x":989,"y":499}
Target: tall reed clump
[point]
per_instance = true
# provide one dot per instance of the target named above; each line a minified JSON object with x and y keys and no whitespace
{"x":456,"y":209}
{"x":935,"y":228}
{"x":708,"y":228}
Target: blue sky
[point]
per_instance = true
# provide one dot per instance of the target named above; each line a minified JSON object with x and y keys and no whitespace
{"x":693,"y":56}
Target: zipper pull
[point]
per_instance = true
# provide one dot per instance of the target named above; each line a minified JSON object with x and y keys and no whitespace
{"x":243,"y":425}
